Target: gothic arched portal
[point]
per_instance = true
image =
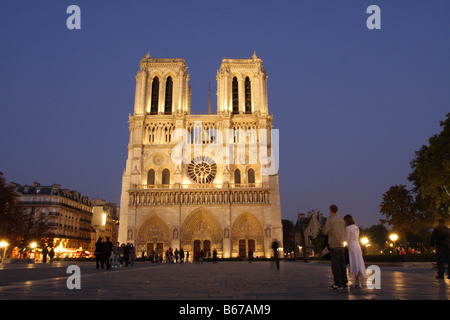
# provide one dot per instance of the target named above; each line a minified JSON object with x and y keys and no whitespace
{"x":154,"y":234}
{"x":202,"y":230}
{"x":247,"y":233}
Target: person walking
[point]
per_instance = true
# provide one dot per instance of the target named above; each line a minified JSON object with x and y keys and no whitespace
{"x":334,"y":228}
{"x":440,"y":239}
{"x":51,"y":254}
{"x":126,"y":252}
{"x":177,"y":255}
{"x":275,"y":246}
{"x":214,"y":256}
{"x":181,"y":255}
{"x":356,"y":261}
{"x":99,"y":261}
{"x":250,"y":255}
{"x":131,"y":254}
{"x":44,"y":254}
{"x":107,"y":250}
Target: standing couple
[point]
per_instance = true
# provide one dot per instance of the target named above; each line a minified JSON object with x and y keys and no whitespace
{"x":338,"y":231}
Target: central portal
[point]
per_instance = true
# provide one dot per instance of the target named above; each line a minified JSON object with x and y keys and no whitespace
{"x":201,"y":231}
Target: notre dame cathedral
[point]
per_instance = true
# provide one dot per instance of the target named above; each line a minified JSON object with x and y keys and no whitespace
{"x":201,"y":182}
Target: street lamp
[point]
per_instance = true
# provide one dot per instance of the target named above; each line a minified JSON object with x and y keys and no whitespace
{"x":393,"y":237}
{"x":364,"y":241}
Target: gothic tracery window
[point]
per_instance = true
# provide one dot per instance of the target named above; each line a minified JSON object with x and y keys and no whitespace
{"x":151,"y":177}
{"x":166,"y":176}
{"x":169,"y":90}
{"x":248,"y":96}
{"x":237,"y":176}
{"x":251,"y":176}
{"x":155,"y":96}
{"x":202,"y":170}
{"x":235,"y":93}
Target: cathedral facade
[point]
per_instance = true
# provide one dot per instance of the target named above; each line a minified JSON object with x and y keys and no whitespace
{"x":201,"y":182}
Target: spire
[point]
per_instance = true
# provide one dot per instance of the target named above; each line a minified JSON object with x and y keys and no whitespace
{"x":148,"y":56}
{"x":254,"y":55}
{"x":209,"y":98}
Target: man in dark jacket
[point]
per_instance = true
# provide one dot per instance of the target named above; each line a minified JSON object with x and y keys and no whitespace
{"x":107,"y":249}
{"x":438,"y":240}
{"x":99,"y":250}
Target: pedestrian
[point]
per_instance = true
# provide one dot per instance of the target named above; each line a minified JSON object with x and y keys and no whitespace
{"x":334,"y":228}
{"x":187,"y":256}
{"x":250,"y":255}
{"x":214,"y":256}
{"x":177,"y":255}
{"x":122,"y":254}
{"x":356,"y":261}
{"x":115,"y":258}
{"x":131,"y":254}
{"x":202,"y":255}
{"x":275,"y":246}
{"x":170,"y":256}
{"x":107,"y":250}
{"x":440,"y":239}
{"x":44,"y":254}
{"x":99,"y":261}
{"x":181,"y":255}
{"x":51,"y":254}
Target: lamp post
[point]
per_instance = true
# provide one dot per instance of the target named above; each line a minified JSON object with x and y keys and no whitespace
{"x":393,"y":238}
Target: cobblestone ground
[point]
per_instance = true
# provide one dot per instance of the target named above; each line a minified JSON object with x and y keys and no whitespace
{"x":208,"y":281}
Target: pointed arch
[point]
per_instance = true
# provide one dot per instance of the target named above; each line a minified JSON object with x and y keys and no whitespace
{"x":248,"y":96}
{"x":237,"y":176}
{"x":151,"y":177}
{"x":165,"y":179}
{"x":155,"y":96}
{"x":201,"y":224}
{"x":251,"y":176}
{"x":247,"y":234}
{"x":168,"y":98}
{"x":154,"y":229}
{"x":235,"y":95}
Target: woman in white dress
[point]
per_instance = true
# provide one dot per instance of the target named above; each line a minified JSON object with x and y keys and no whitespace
{"x":357,"y":267}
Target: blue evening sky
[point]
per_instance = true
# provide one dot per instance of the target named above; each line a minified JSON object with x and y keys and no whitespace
{"x":352,"y":104}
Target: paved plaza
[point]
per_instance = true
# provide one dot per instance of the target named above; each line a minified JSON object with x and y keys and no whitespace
{"x":208,"y":281}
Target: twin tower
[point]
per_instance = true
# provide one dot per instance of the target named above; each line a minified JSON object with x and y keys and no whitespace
{"x":201,"y":182}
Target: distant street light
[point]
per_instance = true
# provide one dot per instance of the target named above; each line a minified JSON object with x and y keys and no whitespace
{"x":393,"y":237}
{"x":364,"y":241}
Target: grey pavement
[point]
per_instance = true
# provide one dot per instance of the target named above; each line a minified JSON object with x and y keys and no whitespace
{"x":208,"y":281}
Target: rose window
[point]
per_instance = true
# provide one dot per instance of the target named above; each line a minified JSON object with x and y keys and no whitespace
{"x":202,"y":170}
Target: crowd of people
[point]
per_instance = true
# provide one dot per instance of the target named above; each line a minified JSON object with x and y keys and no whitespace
{"x":110,"y":256}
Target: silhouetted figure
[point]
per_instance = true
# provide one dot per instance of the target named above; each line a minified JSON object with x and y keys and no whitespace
{"x":99,"y":251}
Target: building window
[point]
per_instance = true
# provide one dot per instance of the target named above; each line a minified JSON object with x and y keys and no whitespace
{"x":166,"y":176}
{"x":237,"y":176}
{"x":168,"y":102}
{"x":151,"y":177}
{"x":235,"y":96}
{"x":155,"y":96}
{"x":248,"y":96}
{"x":251,"y":176}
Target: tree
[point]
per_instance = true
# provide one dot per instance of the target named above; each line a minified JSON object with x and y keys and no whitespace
{"x":400,"y":210}
{"x":18,"y":227}
{"x":431,"y":174}
{"x":288,"y":236}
